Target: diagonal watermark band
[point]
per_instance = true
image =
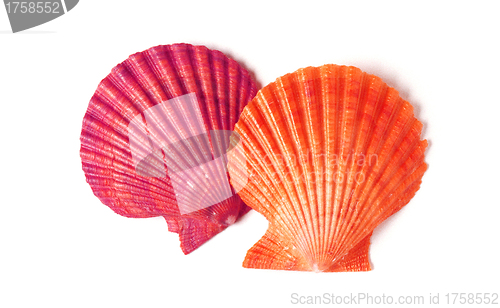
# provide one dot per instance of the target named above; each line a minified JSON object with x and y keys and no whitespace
{"x":171,"y":138}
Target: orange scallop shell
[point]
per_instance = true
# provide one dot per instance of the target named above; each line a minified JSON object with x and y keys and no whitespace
{"x":330,"y":152}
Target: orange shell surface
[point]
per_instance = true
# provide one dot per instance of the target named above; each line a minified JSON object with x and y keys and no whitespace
{"x":329,"y":153}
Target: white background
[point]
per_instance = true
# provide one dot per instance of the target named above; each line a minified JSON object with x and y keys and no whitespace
{"x":60,"y":247}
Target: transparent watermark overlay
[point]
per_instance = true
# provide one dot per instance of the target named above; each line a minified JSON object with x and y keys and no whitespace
{"x":28,"y":14}
{"x":312,"y":167}
{"x":171,"y":139}
{"x":334,"y":159}
{"x":363,"y":298}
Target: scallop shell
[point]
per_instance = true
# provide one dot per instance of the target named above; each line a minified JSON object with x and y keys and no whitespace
{"x":157,"y":126}
{"x":329,"y":153}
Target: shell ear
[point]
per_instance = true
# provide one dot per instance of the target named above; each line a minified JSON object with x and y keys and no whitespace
{"x":356,"y":260}
{"x":273,"y":252}
{"x":195,"y":232}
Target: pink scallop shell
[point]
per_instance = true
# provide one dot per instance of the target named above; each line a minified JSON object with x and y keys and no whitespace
{"x":220,"y":89}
